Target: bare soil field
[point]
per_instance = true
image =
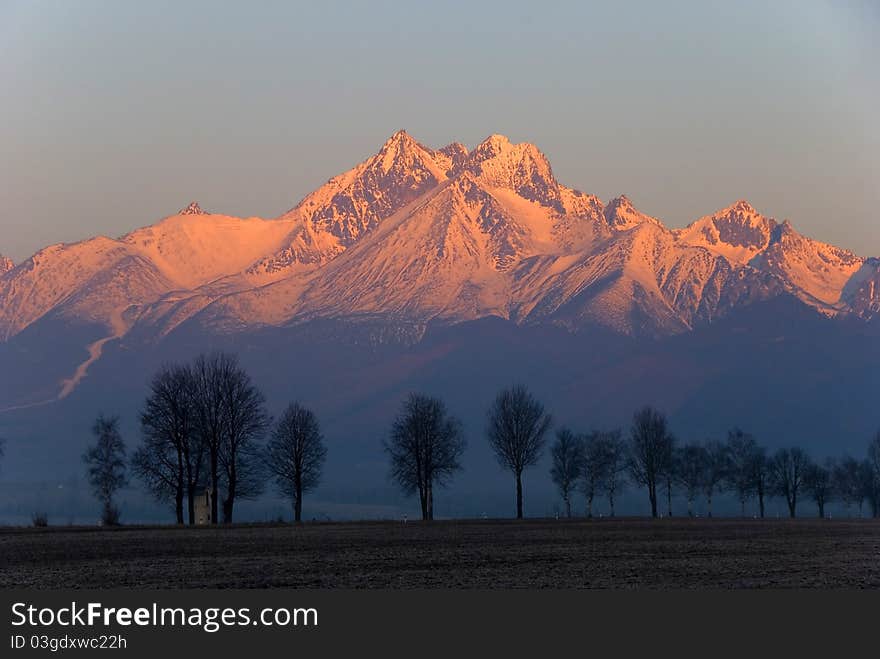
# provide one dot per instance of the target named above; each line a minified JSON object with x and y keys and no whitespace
{"x":606,"y":553}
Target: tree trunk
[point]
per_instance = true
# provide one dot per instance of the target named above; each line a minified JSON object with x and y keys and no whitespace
{"x":690,"y":506}
{"x":298,"y":504}
{"x":228,"y":503}
{"x":611,"y":502}
{"x":178,"y":504}
{"x":589,"y":504}
{"x":652,"y":495}
{"x":567,"y":505}
{"x":423,"y":501}
{"x":178,"y":492}
{"x":430,"y":497}
{"x":821,"y":505}
{"x":709,"y":504}
{"x":669,"y":498}
{"x":519,"y":496}
{"x":792,"y":504}
{"x":761,"y":503}
{"x":215,"y":467}
{"x":742,"y":507}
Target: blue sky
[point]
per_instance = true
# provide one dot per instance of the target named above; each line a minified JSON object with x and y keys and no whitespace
{"x":115,"y":114}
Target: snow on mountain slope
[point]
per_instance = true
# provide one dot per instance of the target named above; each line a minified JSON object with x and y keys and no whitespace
{"x":738,"y":232}
{"x":93,"y":279}
{"x":193,"y":248}
{"x":862,"y":291}
{"x":446,"y":234}
{"x":621,"y":215}
{"x":814,"y":269}
{"x":83,"y":280}
{"x":352,"y":204}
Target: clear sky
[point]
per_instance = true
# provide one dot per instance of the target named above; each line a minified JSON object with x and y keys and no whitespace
{"x":115,"y":114}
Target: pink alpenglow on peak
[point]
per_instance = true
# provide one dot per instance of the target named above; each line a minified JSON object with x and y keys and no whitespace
{"x":438,"y":235}
{"x":6,"y":264}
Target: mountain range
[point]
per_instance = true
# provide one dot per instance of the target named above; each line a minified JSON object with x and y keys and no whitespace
{"x":416,"y":243}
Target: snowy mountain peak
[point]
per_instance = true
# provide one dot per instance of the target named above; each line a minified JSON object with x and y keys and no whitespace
{"x":738,"y":232}
{"x":519,"y":167}
{"x":740,"y":206}
{"x":622,"y":215}
{"x":192,"y":209}
{"x":6,"y":264}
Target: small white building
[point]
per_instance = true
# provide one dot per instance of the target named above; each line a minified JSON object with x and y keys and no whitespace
{"x":202,"y":508}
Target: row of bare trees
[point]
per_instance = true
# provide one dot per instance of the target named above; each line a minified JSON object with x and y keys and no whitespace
{"x":653,"y":460}
{"x":203,"y":426}
{"x":426,"y":443}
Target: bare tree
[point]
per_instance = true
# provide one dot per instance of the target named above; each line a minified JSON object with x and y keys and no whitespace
{"x":231,"y":420}
{"x":105,"y":460}
{"x":568,"y":456}
{"x":847,"y":482}
{"x":209,"y":371}
{"x":761,"y":477}
{"x":818,"y":482}
{"x":617,"y":458}
{"x":787,"y":470}
{"x":690,"y":470}
{"x":667,"y":470}
{"x":742,"y":452}
{"x":245,"y":422}
{"x":425,"y":448}
{"x":170,"y":461}
{"x":715,"y":471}
{"x":594,"y":466}
{"x":516,"y":431}
{"x":649,"y":442}
{"x":295,"y":454}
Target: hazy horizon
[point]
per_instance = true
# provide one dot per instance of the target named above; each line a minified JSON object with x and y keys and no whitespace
{"x":118,"y":115}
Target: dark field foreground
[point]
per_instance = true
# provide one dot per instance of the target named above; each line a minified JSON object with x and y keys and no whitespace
{"x":623,"y":553}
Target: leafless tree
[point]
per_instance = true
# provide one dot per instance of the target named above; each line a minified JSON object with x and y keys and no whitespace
{"x":245,"y":422}
{"x":649,"y":442}
{"x":787,"y":471}
{"x":846,"y":480}
{"x":594,"y":466}
{"x":617,"y":457}
{"x":517,"y":428}
{"x":231,"y":419}
{"x":425,"y":448}
{"x":667,"y":470}
{"x":105,"y":461}
{"x":209,"y":371}
{"x":818,"y":482}
{"x":295,"y":454}
{"x":761,"y":475}
{"x":568,"y":456}
{"x":715,"y":472}
{"x":170,"y":460}
{"x":690,"y":470}
{"x":742,"y":452}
